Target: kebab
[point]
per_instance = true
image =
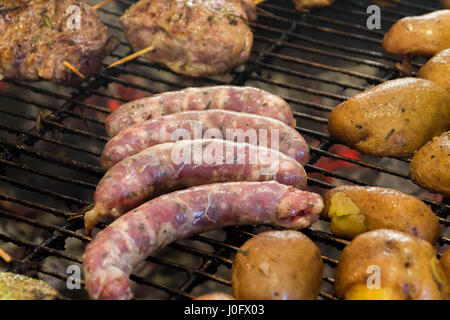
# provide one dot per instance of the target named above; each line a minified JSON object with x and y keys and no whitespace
{"x":196,"y":38}
{"x":42,"y":40}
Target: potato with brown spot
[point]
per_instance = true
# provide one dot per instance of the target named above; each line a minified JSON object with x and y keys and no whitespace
{"x":445,"y":263}
{"x":407,"y":268}
{"x":354,"y":210}
{"x":424,"y":35}
{"x":395,"y":118}
{"x":277,"y":265}
{"x":215,"y":296}
{"x":430,"y":166}
{"x":437,"y":69}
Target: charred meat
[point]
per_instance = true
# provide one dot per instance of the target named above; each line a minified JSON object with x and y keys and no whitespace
{"x":192,"y":37}
{"x":37,"y":37}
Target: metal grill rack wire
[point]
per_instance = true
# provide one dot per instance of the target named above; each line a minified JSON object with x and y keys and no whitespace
{"x":51,"y":138}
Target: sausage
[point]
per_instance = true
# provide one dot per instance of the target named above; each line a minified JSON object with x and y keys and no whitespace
{"x":198,"y":124}
{"x":242,"y":99}
{"x":111,"y":256}
{"x":174,"y":165}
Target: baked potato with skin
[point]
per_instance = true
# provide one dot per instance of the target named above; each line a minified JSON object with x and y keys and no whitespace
{"x":215,"y":296}
{"x":430,"y":166}
{"x":407,"y":267}
{"x":424,"y":35}
{"x":437,"y":69}
{"x":354,"y":210}
{"x":395,"y":118}
{"x":277,"y":265}
{"x":445,"y":263}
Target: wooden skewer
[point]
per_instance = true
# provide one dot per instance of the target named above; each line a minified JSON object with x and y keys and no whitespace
{"x":73,"y":69}
{"x":130,"y":57}
{"x":6,"y":257}
{"x":101,"y":4}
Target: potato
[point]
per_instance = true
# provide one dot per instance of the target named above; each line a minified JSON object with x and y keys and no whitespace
{"x":389,"y":265}
{"x":437,"y":69}
{"x":394,"y":118}
{"x":354,"y":210}
{"x":277,"y":265}
{"x":215,"y":296}
{"x":424,"y":35}
{"x":445,"y":263}
{"x":430,"y":166}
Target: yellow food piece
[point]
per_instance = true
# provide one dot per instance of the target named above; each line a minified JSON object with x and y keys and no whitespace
{"x":430,"y":166}
{"x":405,"y":268}
{"x":346,"y":218}
{"x":395,"y":118}
{"x":362,"y":292}
{"x":369,"y":208}
{"x":424,"y":35}
{"x":277,"y":265}
{"x":437,"y":69}
{"x":20,"y":287}
{"x":438,"y":273}
{"x":305,"y":5}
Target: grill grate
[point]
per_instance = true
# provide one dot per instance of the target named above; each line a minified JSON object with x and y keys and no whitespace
{"x":51,"y":138}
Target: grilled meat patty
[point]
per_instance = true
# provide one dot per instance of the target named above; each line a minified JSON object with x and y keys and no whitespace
{"x":37,"y":37}
{"x":193,"y":37}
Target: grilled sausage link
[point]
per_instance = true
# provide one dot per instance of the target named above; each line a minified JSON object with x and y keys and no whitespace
{"x":110,"y":258}
{"x":241,"y":99}
{"x":174,"y":165}
{"x":229,"y":125}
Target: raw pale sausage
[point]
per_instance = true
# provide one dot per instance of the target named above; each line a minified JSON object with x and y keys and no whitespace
{"x":241,"y":99}
{"x":221,"y":124}
{"x":110,"y":258}
{"x":175,"y":165}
